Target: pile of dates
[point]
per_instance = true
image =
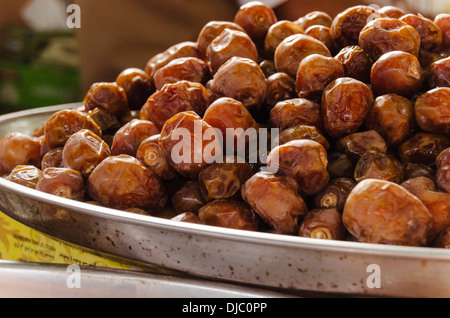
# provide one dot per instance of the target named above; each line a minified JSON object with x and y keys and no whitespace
{"x":359,"y":103}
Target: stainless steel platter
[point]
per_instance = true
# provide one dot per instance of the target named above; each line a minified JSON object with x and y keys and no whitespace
{"x":283,"y":262}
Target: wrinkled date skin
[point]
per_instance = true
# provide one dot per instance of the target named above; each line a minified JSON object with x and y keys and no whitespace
{"x":423,"y":148}
{"x":190,"y":69}
{"x":19,"y":149}
{"x":280,"y":87}
{"x":357,"y":63}
{"x":325,"y":223}
{"x":443,"y":170}
{"x":396,"y":72}
{"x":241,"y":79}
{"x":223,"y":180}
{"x":314,"y":73}
{"x":123,"y":182}
{"x":64,"y":123}
{"x":153,"y":157}
{"x":137,"y":84}
{"x":321,"y":33}
{"x":83,"y":151}
{"x":255,"y":18}
{"x":432,"y":111}
{"x":107,"y":122}
{"x":439,"y":73}
{"x":335,"y":194}
{"x":188,"y":198}
{"x":26,"y":175}
{"x":185,"y":138}
{"x":383,"y":212}
{"x":109,"y":96}
{"x":375,"y":164}
{"x":314,"y":18}
{"x":357,"y":144}
{"x":347,"y":25}
{"x":182,"y":49}
{"x":345,"y":105}
{"x":303,"y":132}
{"x":128,"y":138}
{"x":392,"y":116}
{"x":228,"y":44}
{"x":295,"y":111}
{"x":293,"y":49}
{"x":63,"y":182}
{"x":385,"y":35}
{"x":442,"y":20}
{"x":277,"y":33}
{"x":175,"y":98}
{"x":276,"y":200}
{"x":229,"y":213}
{"x":53,"y":159}
{"x":430,"y":33}
{"x":213,"y":29}
{"x":413,"y":170}
{"x":304,"y":160}
{"x":437,"y":202}
{"x":392,"y":11}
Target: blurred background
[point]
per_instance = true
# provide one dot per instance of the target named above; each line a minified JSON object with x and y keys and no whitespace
{"x":44,"y":62}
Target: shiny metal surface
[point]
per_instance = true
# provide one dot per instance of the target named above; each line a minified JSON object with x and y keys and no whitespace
{"x":34,"y":280}
{"x":262,"y":259}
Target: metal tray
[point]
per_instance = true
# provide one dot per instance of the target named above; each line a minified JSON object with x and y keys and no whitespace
{"x":261,"y":259}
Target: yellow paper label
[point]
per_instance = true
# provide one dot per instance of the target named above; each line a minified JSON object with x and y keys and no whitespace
{"x":22,"y":243}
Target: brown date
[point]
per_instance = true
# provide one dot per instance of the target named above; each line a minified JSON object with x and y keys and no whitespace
{"x":277,"y":33}
{"x":423,"y":148}
{"x":357,"y":63}
{"x":303,"y":132}
{"x":222,"y":180}
{"x":443,"y":170}
{"x":127,"y":139}
{"x":314,"y":18}
{"x":345,"y":105}
{"x":295,"y":111}
{"x":26,"y":175}
{"x":385,"y":35}
{"x":53,"y":159}
{"x":211,"y":30}
{"x":437,"y":202}
{"x":190,"y":69}
{"x":442,"y":240}
{"x":439,"y":73}
{"x":280,"y":87}
{"x":228,"y":44}
{"x":392,"y":116}
{"x":188,"y":198}
{"x":64,"y":123}
{"x":19,"y":149}
{"x":323,"y":223}
{"x":83,"y":151}
{"x":432,"y":111}
{"x":255,"y":18}
{"x":123,"y":182}
{"x":154,"y":158}
{"x":175,"y":98}
{"x":188,"y":217}
{"x":347,"y":25}
{"x":392,"y":11}
{"x":321,"y":33}
{"x":229,"y":213}
{"x":304,"y":160}
{"x":375,"y":164}
{"x":314,"y":73}
{"x":241,"y":79}
{"x":340,"y":165}
{"x":335,"y":194}
{"x":396,"y":72}
{"x":106,"y":121}
{"x":109,"y":96}
{"x":276,"y":200}
{"x":430,"y":33}
{"x":442,"y":20}
{"x":137,"y":84}
{"x":198,"y":147}
{"x":357,"y":144}
{"x":383,"y":212}
{"x":63,"y":182}
{"x":413,"y":170}
{"x":293,"y":49}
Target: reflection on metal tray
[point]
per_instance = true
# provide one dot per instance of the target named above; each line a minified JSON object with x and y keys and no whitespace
{"x":261,"y":259}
